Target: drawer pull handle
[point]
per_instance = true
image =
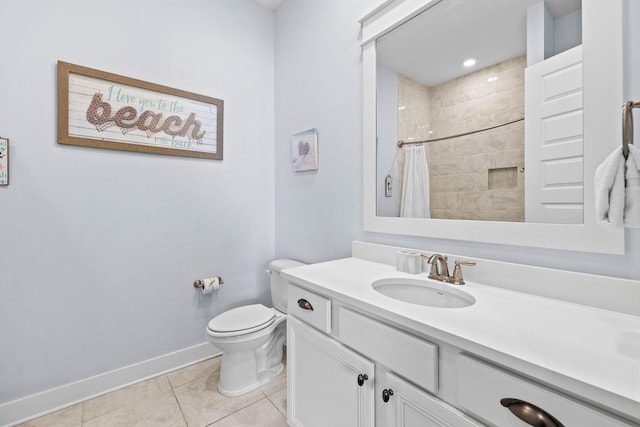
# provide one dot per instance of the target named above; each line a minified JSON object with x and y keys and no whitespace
{"x":304,"y":304}
{"x":362,"y":378}
{"x":386,"y":393}
{"x":530,"y":413}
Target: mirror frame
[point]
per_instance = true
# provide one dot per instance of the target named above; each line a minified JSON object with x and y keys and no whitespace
{"x":602,"y":100}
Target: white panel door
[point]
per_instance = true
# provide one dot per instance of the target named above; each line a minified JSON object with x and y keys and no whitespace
{"x":322,"y":381}
{"x":554,"y":172}
{"x":409,"y":406}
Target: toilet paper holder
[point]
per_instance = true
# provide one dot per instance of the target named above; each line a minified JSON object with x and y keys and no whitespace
{"x":200,"y":282}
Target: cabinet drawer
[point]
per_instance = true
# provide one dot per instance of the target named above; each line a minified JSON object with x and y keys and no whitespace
{"x":406,"y":355}
{"x":318,"y":311}
{"x":481,"y":387}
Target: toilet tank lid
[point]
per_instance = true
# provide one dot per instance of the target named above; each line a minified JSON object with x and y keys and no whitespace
{"x":280,"y":264}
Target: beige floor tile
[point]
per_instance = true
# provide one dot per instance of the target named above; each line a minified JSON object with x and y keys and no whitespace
{"x":260,"y":414}
{"x":276,"y":384}
{"x":193,"y":372}
{"x":202,"y":405}
{"x":69,"y":417}
{"x":131,"y":396}
{"x":156,"y":411}
{"x":188,"y":395}
{"x":279,"y":399}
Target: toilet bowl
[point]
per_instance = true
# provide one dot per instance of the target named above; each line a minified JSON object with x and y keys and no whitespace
{"x":251,"y":338}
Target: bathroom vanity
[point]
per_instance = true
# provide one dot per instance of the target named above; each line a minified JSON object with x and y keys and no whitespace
{"x":361,"y":357}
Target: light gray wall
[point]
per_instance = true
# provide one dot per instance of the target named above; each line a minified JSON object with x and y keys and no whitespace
{"x":99,"y":248}
{"x":329,"y":210}
{"x":318,"y":82}
{"x":568,"y":31}
{"x":387,"y":116}
{"x":548,"y":36}
{"x":540,"y":33}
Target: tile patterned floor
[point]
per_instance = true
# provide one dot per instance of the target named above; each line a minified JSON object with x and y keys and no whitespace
{"x":187,"y":397}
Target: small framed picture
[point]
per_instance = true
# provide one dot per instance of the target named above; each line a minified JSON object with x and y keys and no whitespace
{"x":4,"y":161}
{"x":304,"y":150}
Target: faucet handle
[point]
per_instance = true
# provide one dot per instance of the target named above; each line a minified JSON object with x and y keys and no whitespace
{"x":429,"y":256}
{"x":457,"y":271}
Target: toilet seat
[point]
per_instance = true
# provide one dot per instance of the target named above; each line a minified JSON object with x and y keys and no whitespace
{"x":241,"y":321}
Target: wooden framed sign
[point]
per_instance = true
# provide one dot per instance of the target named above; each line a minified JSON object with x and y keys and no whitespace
{"x":105,"y":110}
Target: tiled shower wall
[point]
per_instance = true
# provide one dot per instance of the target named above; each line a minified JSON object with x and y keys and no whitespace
{"x":478,"y":176}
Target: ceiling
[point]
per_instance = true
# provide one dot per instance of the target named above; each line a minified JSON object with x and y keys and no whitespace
{"x":431,"y":47}
{"x":269,"y":4}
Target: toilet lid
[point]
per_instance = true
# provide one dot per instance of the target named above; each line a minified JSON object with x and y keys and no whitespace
{"x":242,"y":318}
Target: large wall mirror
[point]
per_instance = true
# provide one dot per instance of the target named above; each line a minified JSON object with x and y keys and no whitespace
{"x":484,"y":120}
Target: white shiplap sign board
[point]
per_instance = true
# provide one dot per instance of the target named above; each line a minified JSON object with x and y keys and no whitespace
{"x":111,"y":111}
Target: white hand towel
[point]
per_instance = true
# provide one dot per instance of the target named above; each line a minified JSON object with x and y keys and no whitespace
{"x":609,"y":190}
{"x":617,"y":190}
{"x":632,"y":189}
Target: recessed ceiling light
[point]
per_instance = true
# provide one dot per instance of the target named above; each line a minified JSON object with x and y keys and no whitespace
{"x":492,"y":79}
{"x":470,"y":62}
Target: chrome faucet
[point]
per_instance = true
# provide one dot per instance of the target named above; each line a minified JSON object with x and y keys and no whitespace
{"x":440,"y":269}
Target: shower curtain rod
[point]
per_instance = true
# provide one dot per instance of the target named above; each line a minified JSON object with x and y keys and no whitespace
{"x":402,"y":142}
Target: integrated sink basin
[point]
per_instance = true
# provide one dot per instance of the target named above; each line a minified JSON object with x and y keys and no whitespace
{"x":422,"y":292}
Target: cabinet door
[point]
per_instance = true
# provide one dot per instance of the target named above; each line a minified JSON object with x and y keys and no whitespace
{"x":409,"y":406}
{"x":322,"y":381}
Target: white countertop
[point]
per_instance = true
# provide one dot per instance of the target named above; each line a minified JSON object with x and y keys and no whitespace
{"x":589,"y":351}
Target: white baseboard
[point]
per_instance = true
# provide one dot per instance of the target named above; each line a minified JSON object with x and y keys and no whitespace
{"x":45,"y":402}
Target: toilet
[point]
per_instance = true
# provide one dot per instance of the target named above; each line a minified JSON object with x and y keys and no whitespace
{"x":251,"y":338}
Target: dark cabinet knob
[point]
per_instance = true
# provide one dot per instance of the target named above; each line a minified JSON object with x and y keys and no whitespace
{"x":362,"y":378}
{"x":304,"y":304}
{"x":386,"y":393}
{"x":530,"y":413}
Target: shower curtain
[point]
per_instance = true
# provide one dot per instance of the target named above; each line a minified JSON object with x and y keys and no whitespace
{"x":414,"y":201}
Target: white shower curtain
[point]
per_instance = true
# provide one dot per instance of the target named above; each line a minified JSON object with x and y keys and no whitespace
{"x":414,"y":202}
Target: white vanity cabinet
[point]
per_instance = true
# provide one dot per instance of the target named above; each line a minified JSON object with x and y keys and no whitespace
{"x":506,"y":358}
{"x":327,"y":384}
{"x":397,"y":355}
{"x":349,"y":369}
{"x":332,"y":379}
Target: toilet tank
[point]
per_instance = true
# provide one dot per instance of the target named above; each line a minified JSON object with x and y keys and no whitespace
{"x":278,"y":284}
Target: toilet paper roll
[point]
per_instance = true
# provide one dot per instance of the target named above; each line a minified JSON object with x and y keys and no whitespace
{"x":210,"y":284}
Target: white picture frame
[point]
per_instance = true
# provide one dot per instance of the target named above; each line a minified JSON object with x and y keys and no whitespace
{"x":304,"y":150}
